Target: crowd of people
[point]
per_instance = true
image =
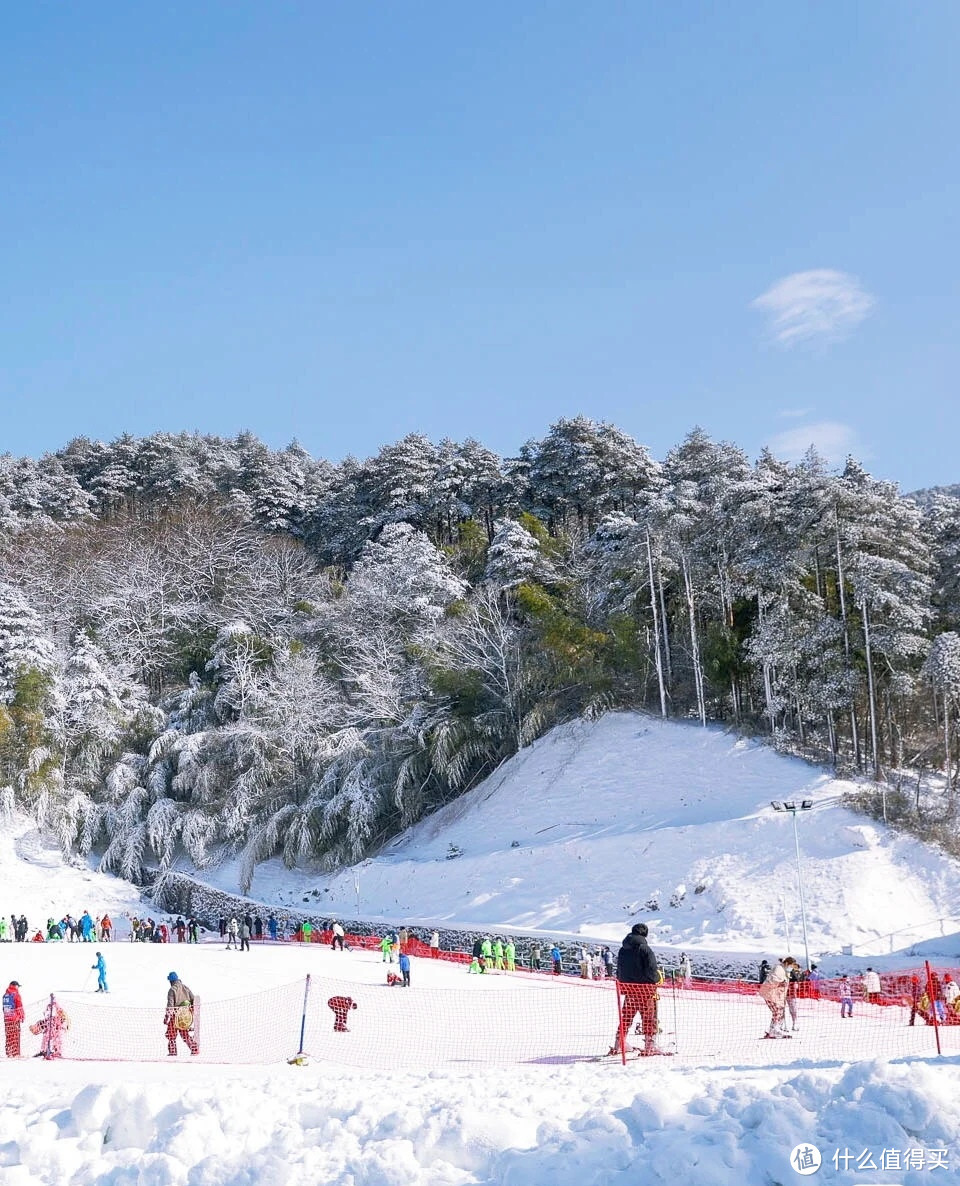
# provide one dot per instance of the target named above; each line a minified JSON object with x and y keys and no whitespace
{"x":82,"y":928}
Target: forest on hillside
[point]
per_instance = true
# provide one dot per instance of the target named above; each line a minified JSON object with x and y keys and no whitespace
{"x":210,"y":647}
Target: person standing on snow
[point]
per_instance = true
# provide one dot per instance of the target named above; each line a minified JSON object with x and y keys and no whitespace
{"x":774,"y":992}
{"x":846,"y":997}
{"x":556,"y":958}
{"x":510,"y":955}
{"x":12,"y":1018}
{"x":101,"y":969}
{"x":86,"y":927}
{"x":245,"y":934}
{"x":51,"y":1025}
{"x":871,"y":986}
{"x":686,"y":970}
{"x":638,"y":977}
{"x":337,"y":937}
{"x":794,"y":985}
{"x":386,"y":947}
{"x":181,"y":928}
{"x":272,"y":927}
{"x":764,"y":971}
{"x":179,"y":1016}
{"x":233,"y":932}
{"x":435,"y":945}
{"x":405,"y":968}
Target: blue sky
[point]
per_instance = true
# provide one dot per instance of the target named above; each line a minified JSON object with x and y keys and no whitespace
{"x":346,"y":222}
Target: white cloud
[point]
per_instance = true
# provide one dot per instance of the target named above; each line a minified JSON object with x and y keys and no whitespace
{"x":832,"y":440}
{"x":819,"y":304}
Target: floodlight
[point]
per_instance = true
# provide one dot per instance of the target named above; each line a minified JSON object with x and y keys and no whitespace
{"x":806,"y":805}
{"x":776,"y":805}
{"x":790,"y":806}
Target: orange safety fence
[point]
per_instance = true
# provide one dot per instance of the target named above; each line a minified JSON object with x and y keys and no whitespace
{"x":506,"y":1020}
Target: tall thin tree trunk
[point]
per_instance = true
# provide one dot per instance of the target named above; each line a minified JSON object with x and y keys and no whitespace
{"x":694,"y":641}
{"x":666,"y":630}
{"x":656,"y":629}
{"x":871,"y":692}
{"x":767,"y":678}
{"x":854,"y":732}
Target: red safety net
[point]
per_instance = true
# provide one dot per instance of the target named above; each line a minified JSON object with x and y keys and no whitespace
{"x":507,"y":1019}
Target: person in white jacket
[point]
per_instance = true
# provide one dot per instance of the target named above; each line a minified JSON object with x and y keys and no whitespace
{"x":871,"y":986}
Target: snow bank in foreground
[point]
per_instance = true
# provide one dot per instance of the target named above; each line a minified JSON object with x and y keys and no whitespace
{"x":317,"y":1125}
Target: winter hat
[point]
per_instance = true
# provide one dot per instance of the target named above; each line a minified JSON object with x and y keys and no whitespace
{"x":640,"y":928}
{"x":171,"y":976}
{"x":14,"y":983}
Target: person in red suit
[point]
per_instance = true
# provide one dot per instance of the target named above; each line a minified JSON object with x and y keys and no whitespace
{"x":341,"y":1006}
{"x":638,"y":977}
{"x":12,"y":1018}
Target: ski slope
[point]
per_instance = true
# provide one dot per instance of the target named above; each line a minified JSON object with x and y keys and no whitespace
{"x":605,"y":815}
{"x":603,"y":823}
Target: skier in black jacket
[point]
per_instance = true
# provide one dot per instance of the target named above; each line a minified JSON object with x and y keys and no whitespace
{"x":638,"y":976}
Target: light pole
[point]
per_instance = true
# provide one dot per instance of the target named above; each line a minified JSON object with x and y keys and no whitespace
{"x":793,"y":808}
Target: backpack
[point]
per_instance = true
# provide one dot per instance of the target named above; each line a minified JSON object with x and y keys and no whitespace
{"x":183,"y":1017}
{"x":9,"y":1004}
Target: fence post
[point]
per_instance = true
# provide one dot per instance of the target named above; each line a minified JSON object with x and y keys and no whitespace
{"x":933,"y":1006}
{"x":298,"y":1057}
{"x":48,"y":1032}
{"x":623,"y":1039}
{"x":676,"y":1027}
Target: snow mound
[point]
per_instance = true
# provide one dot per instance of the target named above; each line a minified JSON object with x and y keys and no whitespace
{"x":316,"y":1125}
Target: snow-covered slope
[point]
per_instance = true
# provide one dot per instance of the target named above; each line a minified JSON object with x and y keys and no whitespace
{"x":39,"y":883}
{"x":602,"y":823}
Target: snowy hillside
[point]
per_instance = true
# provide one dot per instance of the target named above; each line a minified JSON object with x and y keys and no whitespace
{"x":602,"y":823}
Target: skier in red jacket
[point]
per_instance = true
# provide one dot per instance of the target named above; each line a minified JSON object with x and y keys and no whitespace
{"x":12,"y":1018}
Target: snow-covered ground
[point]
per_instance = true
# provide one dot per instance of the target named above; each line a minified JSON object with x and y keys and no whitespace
{"x":605,"y":815}
{"x":602,"y":823}
{"x":185,"y":1122}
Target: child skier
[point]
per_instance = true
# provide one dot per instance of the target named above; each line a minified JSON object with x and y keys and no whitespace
{"x":846,"y":997}
{"x":100,"y":968}
{"x":51,"y":1025}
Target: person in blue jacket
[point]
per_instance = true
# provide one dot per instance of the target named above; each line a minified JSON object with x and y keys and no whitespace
{"x":557,"y":958}
{"x":405,"y":968}
{"x":272,"y":927}
{"x":101,"y":970}
{"x":86,"y":927}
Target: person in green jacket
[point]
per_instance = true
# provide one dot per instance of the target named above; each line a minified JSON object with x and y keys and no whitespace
{"x":386,"y":946}
{"x":510,"y":954}
{"x":486,"y":951}
{"x":307,"y":931}
{"x":498,"y":954}
{"x":474,"y":965}
{"x":3,"y":930}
